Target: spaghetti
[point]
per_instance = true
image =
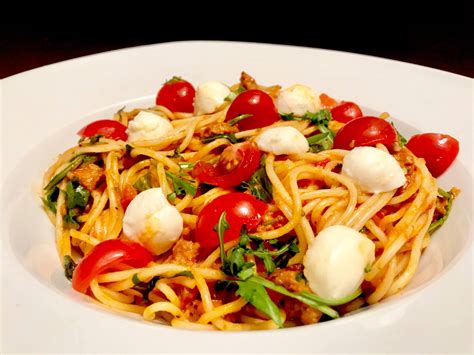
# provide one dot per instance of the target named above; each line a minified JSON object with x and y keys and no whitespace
{"x":88,"y":188}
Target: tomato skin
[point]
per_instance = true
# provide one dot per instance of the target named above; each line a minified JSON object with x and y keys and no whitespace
{"x":128,"y":194}
{"x":256,"y":103}
{"x":365,"y":131}
{"x":104,"y":256}
{"x":438,"y":150}
{"x":108,"y":128}
{"x":327,"y":101}
{"x":177,"y":95}
{"x":240,"y":209}
{"x":247,"y":153}
{"x":346,"y":112}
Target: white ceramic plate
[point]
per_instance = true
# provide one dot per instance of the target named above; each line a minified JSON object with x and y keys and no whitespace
{"x":42,"y":110}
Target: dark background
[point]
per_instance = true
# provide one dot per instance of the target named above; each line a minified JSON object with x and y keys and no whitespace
{"x":444,"y":41}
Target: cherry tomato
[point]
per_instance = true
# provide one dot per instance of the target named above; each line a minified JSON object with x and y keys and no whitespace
{"x":256,"y":103}
{"x":128,"y":194}
{"x":327,"y":101}
{"x":237,"y":163}
{"x":365,"y":131}
{"x":346,"y":112}
{"x":438,"y":150}
{"x":176,"y":95}
{"x":104,"y":256}
{"x":241,"y":209}
{"x":108,"y":128}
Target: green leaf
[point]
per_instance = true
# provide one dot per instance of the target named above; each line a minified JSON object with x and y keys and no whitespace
{"x":69,"y":266}
{"x":96,"y":138}
{"x":50,"y":201}
{"x":321,"y":141}
{"x":321,"y":117}
{"x":300,"y":277}
{"x":128,"y":148}
{"x":74,"y":163}
{"x":70,"y":220}
{"x":234,"y":94}
{"x":176,"y":154}
{"x":230,"y":137}
{"x":185,"y":273}
{"x":182,"y":186}
{"x":135,"y":279}
{"x":290,"y":117}
{"x":238,"y":119}
{"x":440,"y":221}
{"x":171,"y":196}
{"x":76,"y":196}
{"x":143,"y":183}
{"x":258,"y":297}
{"x":305,"y":297}
{"x":259,"y":183}
{"x":186,"y":165}
{"x":174,"y":79}
{"x":221,"y":226}
{"x":402,"y":141}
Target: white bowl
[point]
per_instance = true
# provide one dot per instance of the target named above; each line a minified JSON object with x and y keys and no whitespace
{"x":44,"y":108}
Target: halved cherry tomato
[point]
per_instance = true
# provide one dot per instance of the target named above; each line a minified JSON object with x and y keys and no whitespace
{"x":241,"y":209}
{"x":365,"y":131}
{"x":104,"y":256}
{"x":256,"y":103}
{"x":108,"y":128}
{"x":237,"y":163}
{"x":176,"y":95}
{"x":438,"y":150}
{"x":346,"y":112}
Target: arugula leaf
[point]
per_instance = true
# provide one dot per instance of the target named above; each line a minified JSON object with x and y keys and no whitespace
{"x":182,"y":186}
{"x":186,"y":165}
{"x":321,"y":141}
{"x":76,"y":196}
{"x":143,"y":183}
{"x":50,"y":201}
{"x":221,"y":226}
{"x":258,"y":297}
{"x":69,"y":266}
{"x":305,"y":297}
{"x":230,"y":137}
{"x":171,"y":196}
{"x":289,"y":117}
{"x":448,"y":195}
{"x":185,"y":273}
{"x":259,"y":183}
{"x":135,"y":279}
{"x":321,"y":117}
{"x":402,"y":141}
{"x":95,"y":138}
{"x":234,"y":94}
{"x":74,"y":163}
{"x":238,"y":119}
{"x":70,"y":220}
{"x":176,"y":154}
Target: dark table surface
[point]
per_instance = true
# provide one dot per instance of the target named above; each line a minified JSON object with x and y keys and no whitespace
{"x":446,"y":47}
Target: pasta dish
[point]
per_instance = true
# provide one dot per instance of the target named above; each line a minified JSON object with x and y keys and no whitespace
{"x":245,"y":207}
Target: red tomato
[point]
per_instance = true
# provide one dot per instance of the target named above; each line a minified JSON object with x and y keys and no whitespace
{"x":108,"y":128}
{"x":346,"y":112}
{"x":176,"y":95}
{"x":438,"y":150}
{"x":327,"y":101}
{"x":104,"y":256}
{"x":237,"y":163}
{"x":128,"y":194}
{"x":240,"y":209}
{"x":256,"y":103}
{"x":365,"y":131}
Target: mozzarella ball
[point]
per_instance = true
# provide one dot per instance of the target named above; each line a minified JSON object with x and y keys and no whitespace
{"x":373,"y":170}
{"x":148,"y":126}
{"x":335,"y":262}
{"x":298,"y":99}
{"x":282,"y":140}
{"x":209,"y":97}
{"x":152,"y":221}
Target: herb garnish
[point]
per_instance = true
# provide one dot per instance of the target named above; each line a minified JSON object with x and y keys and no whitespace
{"x":449,"y":196}
{"x":230,"y":137}
{"x":69,"y":266}
{"x":259,"y":183}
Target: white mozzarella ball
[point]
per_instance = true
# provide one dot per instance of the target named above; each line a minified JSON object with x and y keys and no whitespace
{"x":373,"y":170}
{"x":148,"y":126}
{"x":152,"y":221}
{"x":298,"y":99}
{"x":335,"y":262}
{"x":209,"y":97}
{"x":282,"y":140}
